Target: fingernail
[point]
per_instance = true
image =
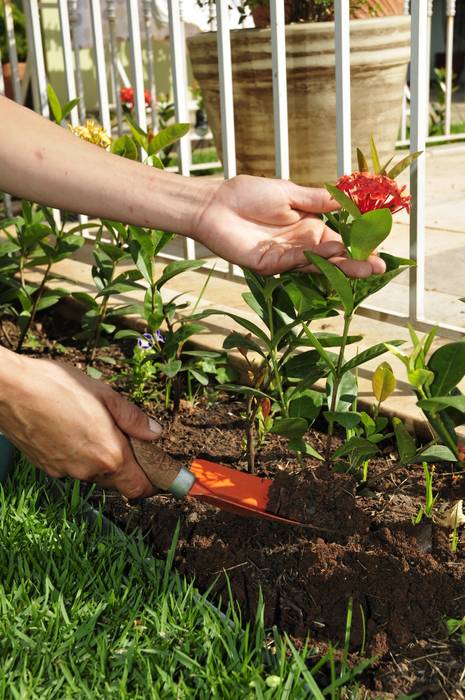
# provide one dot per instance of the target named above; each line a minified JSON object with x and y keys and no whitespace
{"x":155,"y":427}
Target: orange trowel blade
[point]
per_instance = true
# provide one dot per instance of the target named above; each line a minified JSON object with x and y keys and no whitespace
{"x":233,"y":490}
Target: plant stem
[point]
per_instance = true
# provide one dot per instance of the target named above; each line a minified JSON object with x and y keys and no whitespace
{"x":35,"y":304}
{"x":336,"y":382}
{"x":274,"y":361}
{"x":250,"y":435}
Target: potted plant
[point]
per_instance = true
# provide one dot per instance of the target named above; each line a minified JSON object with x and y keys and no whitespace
{"x":19,"y":20}
{"x":380,"y":53}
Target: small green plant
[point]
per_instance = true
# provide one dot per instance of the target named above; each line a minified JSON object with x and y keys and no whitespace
{"x":100,"y":318}
{"x":430,"y":498}
{"x":34,"y":241}
{"x":456,"y":626}
{"x":434,"y":378}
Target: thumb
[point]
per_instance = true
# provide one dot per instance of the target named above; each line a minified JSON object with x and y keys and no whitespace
{"x":130,"y":419}
{"x":313,"y":200}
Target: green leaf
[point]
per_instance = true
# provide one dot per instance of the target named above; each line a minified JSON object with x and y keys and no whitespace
{"x":369,"y":354}
{"x":347,"y":391}
{"x":54,"y":103}
{"x":374,"y":156}
{"x":405,"y":443}
{"x":356,"y":444}
{"x":436,"y":453}
{"x":300,"y":445}
{"x":368,"y":231}
{"x":199,"y":376}
{"x":242,"y":389}
{"x":362,"y":162}
{"x":239,"y":340}
{"x":342,"y":199}
{"x":448,"y":365}
{"x":292,"y":428}
{"x":124,"y":146}
{"x":348,"y":419}
{"x":176,"y":268}
{"x":171,"y":368}
{"x":244,"y":322}
{"x":49,"y":299}
{"x":420,"y":378}
{"x":383,"y":382}
{"x":85,"y":299}
{"x":336,"y":278}
{"x":307,"y":405}
{"x":93,"y":372}
{"x":438,"y":403}
{"x":69,"y":106}
{"x":167,"y":136}
{"x":370,"y":285}
{"x":126,"y":333}
{"x":402,"y":164}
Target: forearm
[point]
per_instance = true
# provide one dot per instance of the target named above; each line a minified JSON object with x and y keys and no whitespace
{"x":45,"y":163}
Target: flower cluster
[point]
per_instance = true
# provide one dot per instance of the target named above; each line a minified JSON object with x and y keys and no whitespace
{"x":147,"y":341}
{"x":93,"y":133}
{"x":369,"y":191}
{"x":127,"y":97}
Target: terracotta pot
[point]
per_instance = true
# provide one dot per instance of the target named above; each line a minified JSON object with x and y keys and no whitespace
{"x":7,"y":77}
{"x":380,"y":53}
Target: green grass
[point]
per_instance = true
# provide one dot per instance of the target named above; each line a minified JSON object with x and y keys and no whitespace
{"x":86,"y":613}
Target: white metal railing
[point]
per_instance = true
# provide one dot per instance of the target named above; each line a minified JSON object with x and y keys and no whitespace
{"x":415,"y":116}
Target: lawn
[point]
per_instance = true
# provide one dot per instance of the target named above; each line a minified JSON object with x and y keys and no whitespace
{"x":86,"y":612}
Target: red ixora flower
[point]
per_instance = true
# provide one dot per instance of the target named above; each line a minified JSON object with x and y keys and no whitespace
{"x":126,"y":95}
{"x":369,"y":191}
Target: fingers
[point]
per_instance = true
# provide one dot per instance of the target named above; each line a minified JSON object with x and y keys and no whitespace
{"x":128,"y":478}
{"x":130,"y":419}
{"x":314,"y":200}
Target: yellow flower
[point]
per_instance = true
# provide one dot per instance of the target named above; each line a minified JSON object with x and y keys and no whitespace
{"x":93,"y":133}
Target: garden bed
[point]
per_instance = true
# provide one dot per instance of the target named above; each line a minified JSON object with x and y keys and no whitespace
{"x":404,"y":580}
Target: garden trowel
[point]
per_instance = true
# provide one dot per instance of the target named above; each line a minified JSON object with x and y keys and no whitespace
{"x":223,"y":487}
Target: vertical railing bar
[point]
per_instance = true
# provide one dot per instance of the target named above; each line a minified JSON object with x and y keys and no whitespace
{"x":278,"y":53}
{"x":147,"y":7}
{"x":12,"y":52}
{"x":406,"y":93}
{"x":136,"y":63}
{"x":36,"y":47}
{"x":419,"y":75}
{"x":343,"y":107}
{"x":226,"y":89}
{"x":430,"y":10}
{"x":68,"y":58}
{"x":73,"y":18}
{"x":228,"y":140}
{"x":6,"y":196}
{"x":450,"y":19}
{"x":178,"y":70}
{"x":111,"y":17}
{"x":100,"y":65}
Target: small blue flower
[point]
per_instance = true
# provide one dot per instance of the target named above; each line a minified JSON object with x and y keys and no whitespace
{"x":146,"y":343}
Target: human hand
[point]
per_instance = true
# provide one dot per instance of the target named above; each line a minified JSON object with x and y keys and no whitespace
{"x":266,"y":225}
{"x":71,"y":425}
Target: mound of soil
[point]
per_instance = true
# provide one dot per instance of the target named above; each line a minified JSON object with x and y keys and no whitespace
{"x":404,"y":580}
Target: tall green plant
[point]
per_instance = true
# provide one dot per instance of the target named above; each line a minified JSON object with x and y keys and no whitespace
{"x":34,"y":241}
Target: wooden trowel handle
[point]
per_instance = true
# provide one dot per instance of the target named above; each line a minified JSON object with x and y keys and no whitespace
{"x":161,"y":469}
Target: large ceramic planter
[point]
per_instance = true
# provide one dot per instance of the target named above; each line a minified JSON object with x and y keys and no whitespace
{"x":380,"y":52}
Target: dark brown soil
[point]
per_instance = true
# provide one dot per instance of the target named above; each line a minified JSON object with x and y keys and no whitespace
{"x":404,"y":580}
